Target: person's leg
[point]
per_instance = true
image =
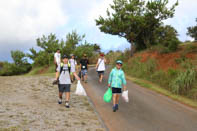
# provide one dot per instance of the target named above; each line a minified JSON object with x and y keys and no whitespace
{"x":114,"y":99}
{"x":67,"y":93}
{"x":60,"y":94}
{"x":117,"y":98}
{"x":114,"y":102}
{"x":101,"y":78}
{"x":86,"y":76}
{"x":67,"y":96}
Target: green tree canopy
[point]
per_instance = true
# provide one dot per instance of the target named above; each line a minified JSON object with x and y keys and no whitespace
{"x":18,"y":57}
{"x":192,"y":31}
{"x":136,"y":20}
{"x":72,"y":40}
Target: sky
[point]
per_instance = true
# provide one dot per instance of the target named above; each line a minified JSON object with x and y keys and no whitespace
{"x":23,"y":21}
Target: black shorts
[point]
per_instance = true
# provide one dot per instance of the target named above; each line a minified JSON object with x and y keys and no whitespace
{"x":64,"y":88}
{"x":116,"y":90}
{"x":100,"y":73}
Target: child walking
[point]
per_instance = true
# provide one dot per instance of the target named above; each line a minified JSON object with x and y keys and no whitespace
{"x":63,"y":76}
{"x":116,"y":81}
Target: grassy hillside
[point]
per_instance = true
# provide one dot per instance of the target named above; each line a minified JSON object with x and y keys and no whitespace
{"x":175,"y":71}
{"x":42,"y":70}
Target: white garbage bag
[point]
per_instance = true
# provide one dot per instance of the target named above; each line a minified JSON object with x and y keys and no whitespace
{"x":125,"y":96}
{"x":80,"y":90}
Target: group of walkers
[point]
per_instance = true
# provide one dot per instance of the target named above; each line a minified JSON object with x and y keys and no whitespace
{"x":66,"y":72}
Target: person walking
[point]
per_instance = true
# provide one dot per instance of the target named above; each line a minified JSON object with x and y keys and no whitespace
{"x":84,"y":67}
{"x":116,"y":81}
{"x":64,"y":80}
{"x":100,"y":67}
{"x":57,"y":59}
{"x":73,"y":64}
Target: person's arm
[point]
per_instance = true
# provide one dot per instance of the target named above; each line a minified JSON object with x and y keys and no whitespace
{"x":58,"y":72}
{"x":76,"y":67}
{"x":76,"y":76}
{"x":105,"y":60}
{"x":110,"y":78}
{"x":54,"y":59}
{"x":124,"y":82}
{"x":97,"y":64}
{"x":87,"y":64}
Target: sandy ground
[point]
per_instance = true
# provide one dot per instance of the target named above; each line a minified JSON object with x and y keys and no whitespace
{"x":30,"y":103}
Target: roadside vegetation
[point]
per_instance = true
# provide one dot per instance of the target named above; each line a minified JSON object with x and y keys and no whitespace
{"x":44,"y":57}
{"x":174,"y":71}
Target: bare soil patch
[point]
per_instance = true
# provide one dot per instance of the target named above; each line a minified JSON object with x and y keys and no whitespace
{"x":30,"y":103}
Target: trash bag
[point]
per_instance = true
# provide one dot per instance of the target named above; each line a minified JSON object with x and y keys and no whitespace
{"x":80,"y":90}
{"x":108,"y":95}
{"x":125,"y":96}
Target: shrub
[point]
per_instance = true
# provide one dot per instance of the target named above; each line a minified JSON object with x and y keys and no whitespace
{"x":160,"y":77}
{"x":184,"y":82}
{"x":141,"y":69}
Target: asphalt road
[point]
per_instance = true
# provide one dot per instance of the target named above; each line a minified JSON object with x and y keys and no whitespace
{"x":146,"y":110}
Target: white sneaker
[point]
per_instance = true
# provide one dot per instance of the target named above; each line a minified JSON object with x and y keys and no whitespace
{"x":67,"y":105}
{"x":59,"y":101}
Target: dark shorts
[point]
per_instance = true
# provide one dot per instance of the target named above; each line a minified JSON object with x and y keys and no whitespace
{"x":64,"y":87}
{"x":116,"y":90}
{"x":100,"y":73}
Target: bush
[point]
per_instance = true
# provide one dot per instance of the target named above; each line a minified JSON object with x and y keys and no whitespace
{"x":160,"y":77}
{"x":12,"y":69}
{"x":183,"y":82}
{"x":140,"y":69}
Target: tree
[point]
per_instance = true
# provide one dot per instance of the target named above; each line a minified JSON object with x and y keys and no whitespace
{"x":18,"y":57}
{"x":167,"y":37}
{"x":136,"y":20}
{"x":49,"y":45}
{"x":72,"y":40}
{"x":33,"y":54}
{"x":192,"y":31}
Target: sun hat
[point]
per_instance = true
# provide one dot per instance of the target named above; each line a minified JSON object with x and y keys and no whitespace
{"x":119,"y":62}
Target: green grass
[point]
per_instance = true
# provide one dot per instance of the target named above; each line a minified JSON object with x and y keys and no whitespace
{"x":165,"y":92}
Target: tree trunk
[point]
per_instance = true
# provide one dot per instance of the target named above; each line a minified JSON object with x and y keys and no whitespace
{"x":132,"y":49}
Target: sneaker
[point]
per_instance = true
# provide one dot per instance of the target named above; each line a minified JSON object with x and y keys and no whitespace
{"x":67,"y":105}
{"x":116,"y":106}
{"x":60,"y":101}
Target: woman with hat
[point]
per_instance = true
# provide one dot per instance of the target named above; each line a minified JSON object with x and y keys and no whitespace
{"x":117,"y":81}
{"x":100,"y":66}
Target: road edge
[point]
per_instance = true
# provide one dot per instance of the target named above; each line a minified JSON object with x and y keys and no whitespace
{"x":95,"y":110}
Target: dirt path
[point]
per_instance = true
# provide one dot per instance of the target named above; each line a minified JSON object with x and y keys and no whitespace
{"x":30,"y":103}
{"x":146,"y":110}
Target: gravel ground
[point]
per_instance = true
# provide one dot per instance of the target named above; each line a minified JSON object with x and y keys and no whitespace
{"x":30,"y":103}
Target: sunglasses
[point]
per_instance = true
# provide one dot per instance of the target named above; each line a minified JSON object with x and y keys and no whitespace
{"x":119,"y":64}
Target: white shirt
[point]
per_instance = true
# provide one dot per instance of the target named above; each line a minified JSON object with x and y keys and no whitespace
{"x":73,"y":62}
{"x":101,"y":65}
{"x":57,"y":57}
{"x":64,"y":77}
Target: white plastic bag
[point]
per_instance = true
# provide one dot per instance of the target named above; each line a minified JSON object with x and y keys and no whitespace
{"x":80,"y":90}
{"x":125,"y":96}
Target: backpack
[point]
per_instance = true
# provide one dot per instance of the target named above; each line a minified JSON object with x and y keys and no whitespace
{"x":62,"y":65}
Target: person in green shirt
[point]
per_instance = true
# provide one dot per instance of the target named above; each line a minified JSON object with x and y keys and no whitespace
{"x":117,"y":81}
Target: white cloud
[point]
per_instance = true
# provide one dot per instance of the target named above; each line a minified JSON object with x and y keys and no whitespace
{"x":185,"y":15}
{"x":99,"y":8}
{"x":24,"y":20}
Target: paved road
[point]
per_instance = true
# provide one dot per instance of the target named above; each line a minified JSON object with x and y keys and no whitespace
{"x":146,"y":111}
